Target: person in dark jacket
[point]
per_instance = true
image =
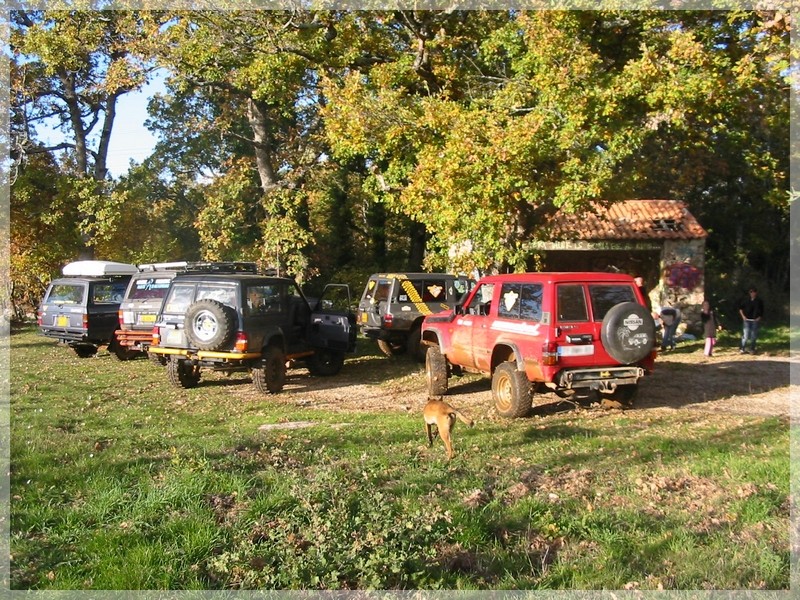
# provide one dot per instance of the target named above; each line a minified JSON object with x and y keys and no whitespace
{"x":751,"y":309}
{"x":710,"y":327}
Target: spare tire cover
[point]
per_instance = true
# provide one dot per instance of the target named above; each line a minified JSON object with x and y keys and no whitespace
{"x":628,"y":332}
{"x":209,"y":324}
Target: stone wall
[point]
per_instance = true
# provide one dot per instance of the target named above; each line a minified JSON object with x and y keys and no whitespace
{"x":682,"y":280}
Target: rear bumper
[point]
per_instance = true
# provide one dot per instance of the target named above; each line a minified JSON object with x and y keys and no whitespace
{"x":602,"y":379}
{"x":134,"y":338}
{"x":70,"y":337}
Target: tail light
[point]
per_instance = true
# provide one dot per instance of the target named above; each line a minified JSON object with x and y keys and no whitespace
{"x":39,"y":318}
{"x":85,"y":320}
{"x":550,"y":354}
{"x":242,"y":343}
{"x":388,"y":319}
{"x":120,"y":317}
{"x":156,"y":337}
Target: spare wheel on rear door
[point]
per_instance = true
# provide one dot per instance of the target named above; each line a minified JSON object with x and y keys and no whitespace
{"x":210,"y":324}
{"x":628,"y":332}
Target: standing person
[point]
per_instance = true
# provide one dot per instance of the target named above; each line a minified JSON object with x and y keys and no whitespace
{"x":751,"y":309}
{"x":639,"y":281}
{"x":710,"y":327}
{"x":670,"y":317}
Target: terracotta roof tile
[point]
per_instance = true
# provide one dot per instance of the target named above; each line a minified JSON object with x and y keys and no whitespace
{"x":629,"y":220}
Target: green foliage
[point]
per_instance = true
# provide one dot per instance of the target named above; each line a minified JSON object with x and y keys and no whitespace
{"x":341,"y":532}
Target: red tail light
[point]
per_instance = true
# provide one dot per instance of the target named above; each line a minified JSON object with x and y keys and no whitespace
{"x":119,"y":316}
{"x":85,"y":320}
{"x":39,"y":318}
{"x":242,"y":343}
{"x":387,"y":320}
{"x":550,"y":354}
{"x":156,"y":337}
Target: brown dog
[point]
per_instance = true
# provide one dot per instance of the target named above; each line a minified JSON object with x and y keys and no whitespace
{"x":441,"y":414}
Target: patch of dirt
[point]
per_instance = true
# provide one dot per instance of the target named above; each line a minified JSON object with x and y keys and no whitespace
{"x":684,"y":379}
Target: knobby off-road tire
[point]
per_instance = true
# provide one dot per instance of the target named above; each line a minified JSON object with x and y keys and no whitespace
{"x":270,"y":374}
{"x":85,"y":350}
{"x":628,"y":333}
{"x":624,"y":394}
{"x":181,"y":373}
{"x":436,"y":372}
{"x":157,"y":359}
{"x":325,"y":362}
{"x":511,"y":391}
{"x":210,"y":324}
{"x":414,"y":345}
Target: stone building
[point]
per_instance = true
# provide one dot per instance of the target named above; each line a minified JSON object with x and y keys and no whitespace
{"x":659,"y":240}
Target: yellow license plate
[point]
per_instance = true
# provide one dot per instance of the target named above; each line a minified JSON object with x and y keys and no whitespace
{"x":147,"y":318}
{"x":62,"y":321}
{"x":363,"y":317}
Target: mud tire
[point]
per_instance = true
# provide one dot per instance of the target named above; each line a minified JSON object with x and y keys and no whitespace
{"x":511,"y":391}
{"x":210,"y":324}
{"x":181,"y":373}
{"x":270,"y":374}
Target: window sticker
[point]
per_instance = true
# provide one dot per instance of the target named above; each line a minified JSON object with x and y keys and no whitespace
{"x":435,"y":290}
{"x":510,"y":299}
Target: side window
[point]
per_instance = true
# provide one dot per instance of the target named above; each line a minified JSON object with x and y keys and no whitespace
{"x":571,"y":304}
{"x":410,"y":291}
{"x":108,"y":293}
{"x":605,"y":297}
{"x":266,"y":298}
{"x":460,"y":287}
{"x":225,"y":294}
{"x":521,"y":301}
{"x":481,"y":301}
{"x":178,"y":299}
{"x":434,"y":291}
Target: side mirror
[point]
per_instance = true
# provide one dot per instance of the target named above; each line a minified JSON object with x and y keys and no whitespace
{"x":458,"y":309}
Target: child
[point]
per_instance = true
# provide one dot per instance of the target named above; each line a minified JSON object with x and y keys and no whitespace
{"x":710,"y":326}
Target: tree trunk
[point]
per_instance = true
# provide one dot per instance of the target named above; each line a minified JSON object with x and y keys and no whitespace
{"x":259,"y":123}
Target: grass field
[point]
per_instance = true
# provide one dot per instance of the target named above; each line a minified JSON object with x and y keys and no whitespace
{"x":119,"y":482}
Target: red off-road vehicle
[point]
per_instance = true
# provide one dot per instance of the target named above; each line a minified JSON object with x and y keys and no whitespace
{"x":535,"y":332}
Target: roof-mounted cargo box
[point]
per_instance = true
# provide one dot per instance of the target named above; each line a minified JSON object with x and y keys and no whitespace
{"x":98,"y":268}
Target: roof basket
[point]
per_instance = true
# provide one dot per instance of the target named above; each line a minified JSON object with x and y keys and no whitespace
{"x":222,"y":267}
{"x":201,"y":267}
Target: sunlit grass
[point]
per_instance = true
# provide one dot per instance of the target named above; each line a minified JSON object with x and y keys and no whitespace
{"x":119,"y":481}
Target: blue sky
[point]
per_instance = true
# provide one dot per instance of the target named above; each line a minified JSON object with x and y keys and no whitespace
{"x":130,"y":140}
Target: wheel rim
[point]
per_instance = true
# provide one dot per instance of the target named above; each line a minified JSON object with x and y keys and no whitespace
{"x":205,"y":325}
{"x":504,"y":393}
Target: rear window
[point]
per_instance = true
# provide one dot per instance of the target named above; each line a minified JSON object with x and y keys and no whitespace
{"x":571,"y":305}
{"x":65,"y":293}
{"x":149,"y":288}
{"x":378,"y":290}
{"x":179,"y":299}
{"x":605,"y":297}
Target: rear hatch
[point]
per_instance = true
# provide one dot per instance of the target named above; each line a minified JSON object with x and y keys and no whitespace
{"x":142,"y":303}
{"x":374,"y":301}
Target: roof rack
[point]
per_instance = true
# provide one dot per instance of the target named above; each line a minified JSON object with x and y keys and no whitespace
{"x":201,"y":267}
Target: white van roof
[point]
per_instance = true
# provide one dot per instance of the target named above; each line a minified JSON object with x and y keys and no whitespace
{"x":97,"y":268}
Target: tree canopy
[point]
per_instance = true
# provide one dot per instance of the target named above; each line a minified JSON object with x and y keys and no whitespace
{"x":336,"y":142}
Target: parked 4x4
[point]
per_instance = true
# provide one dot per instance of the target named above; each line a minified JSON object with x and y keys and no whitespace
{"x":80,"y":309}
{"x":393,"y":306}
{"x":556,"y":332}
{"x":249,"y":322}
{"x":145,"y":294}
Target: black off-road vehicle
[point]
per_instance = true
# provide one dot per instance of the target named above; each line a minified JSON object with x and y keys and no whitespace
{"x":81,"y":308}
{"x":145,"y":295}
{"x":393,"y":306}
{"x":249,"y":322}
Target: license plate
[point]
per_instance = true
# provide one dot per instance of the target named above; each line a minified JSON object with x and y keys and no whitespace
{"x":147,"y":318}
{"x":62,"y":321}
{"x":174,"y":337}
{"x":363,"y":317}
